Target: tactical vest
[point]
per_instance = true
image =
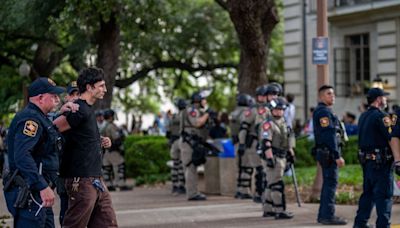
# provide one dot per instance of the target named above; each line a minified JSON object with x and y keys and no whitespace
{"x":189,"y":128}
{"x":279,"y":134}
{"x":235,"y":120}
{"x":174,"y":125}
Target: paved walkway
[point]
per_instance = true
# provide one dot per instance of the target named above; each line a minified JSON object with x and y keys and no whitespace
{"x":156,"y":207}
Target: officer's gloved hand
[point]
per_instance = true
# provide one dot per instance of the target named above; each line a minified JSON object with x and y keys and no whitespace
{"x":397,"y":167}
{"x":241,"y":149}
{"x":290,"y":158}
{"x":271,"y":162}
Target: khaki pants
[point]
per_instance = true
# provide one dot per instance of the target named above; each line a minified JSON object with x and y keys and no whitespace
{"x":249,"y":163}
{"x":113,"y":163}
{"x":274,"y":198}
{"x":190,"y":170}
{"x":88,"y":206}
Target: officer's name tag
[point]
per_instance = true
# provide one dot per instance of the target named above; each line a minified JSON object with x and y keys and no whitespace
{"x":30,"y":128}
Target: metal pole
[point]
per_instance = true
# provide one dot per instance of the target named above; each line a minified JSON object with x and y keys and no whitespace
{"x":305,"y":73}
{"x":322,"y":30}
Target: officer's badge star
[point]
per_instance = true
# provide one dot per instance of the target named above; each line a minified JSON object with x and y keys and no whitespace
{"x":324,"y":121}
{"x":30,"y":128}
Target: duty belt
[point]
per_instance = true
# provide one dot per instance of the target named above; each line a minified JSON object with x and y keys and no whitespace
{"x":279,"y":152}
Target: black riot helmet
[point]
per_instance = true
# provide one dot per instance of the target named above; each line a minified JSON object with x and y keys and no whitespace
{"x":109,"y":113}
{"x":198,"y":96}
{"x":273,"y":89}
{"x":261,"y":90}
{"x":278,"y":103}
{"x":180,"y":103}
{"x":244,"y":99}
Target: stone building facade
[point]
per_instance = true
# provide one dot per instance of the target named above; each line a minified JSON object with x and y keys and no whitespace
{"x":364,"y":47}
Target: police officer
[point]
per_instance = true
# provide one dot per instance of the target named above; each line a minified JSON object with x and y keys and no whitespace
{"x":113,"y":158}
{"x":194,"y":131}
{"x":376,"y":160}
{"x":326,"y":128}
{"x":243,"y":101}
{"x":274,"y":147}
{"x":173,"y":134}
{"x":33,"y":149}
{"x":247,"y":149}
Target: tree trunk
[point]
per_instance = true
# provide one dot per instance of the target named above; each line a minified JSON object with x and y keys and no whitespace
{"x":108,"y":54}
{"x":46,"y":59}
{"x":254,"y":21}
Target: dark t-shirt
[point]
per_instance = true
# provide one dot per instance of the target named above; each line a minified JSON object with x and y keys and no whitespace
{"x":82,"y":153}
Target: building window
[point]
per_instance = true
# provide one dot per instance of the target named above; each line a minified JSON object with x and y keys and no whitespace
{"x":352,"y":66}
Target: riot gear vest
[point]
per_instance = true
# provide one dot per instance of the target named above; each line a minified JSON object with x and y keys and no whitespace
{"x":279,"y":134}
{"x":189,"y":119}
{"x":174,"y":125}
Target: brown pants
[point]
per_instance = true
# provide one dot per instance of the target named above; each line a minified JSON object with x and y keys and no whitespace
{"x":88,"y":206}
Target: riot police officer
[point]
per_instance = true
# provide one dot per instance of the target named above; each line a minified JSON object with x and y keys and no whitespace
{"x":243,"y":101}
{"x":173,"y":135}
{"x":326,"y":128}
{"x":113,"y":158}
{"x":194,"y":133}
{"x":275,"y":146}
{"x":376,"y":160}
{"x":33,"y":148}
{"x":247,"y":148}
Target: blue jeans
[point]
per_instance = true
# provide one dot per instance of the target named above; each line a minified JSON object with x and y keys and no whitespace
{"x":327,"y":199}
{"x":378,"y":191}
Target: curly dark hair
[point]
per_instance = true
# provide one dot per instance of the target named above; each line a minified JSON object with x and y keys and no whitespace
{"x":89,"y":76}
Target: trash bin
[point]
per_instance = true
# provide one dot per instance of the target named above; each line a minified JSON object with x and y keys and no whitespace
{"x":227,"y":168}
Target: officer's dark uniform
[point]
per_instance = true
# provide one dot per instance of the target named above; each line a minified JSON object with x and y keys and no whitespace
{"x":33,"y":149}
{"x":326,"y":125}
{"x":376,"y":160}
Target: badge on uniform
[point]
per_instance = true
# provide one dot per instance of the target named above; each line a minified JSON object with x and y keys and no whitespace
{"x":30,"y":128}
{"x":324,"y":121}
{"x":266,"y":126}
{"x":261,"y":110}
{"x":247,"y":113}
{"x":193,"y":113}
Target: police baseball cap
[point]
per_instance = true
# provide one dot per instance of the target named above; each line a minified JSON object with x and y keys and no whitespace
{"x":44,"y":85}
{"x":72,"y":87}
{"x":374,"y":93}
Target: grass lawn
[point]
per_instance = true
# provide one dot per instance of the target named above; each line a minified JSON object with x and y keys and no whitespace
{"x":348,"y":191}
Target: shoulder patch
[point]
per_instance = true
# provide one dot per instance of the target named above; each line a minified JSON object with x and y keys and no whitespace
{"x":261,"y":110}
{"x":266,"y":126}
{"x":324,"y":121}
{"x":387,"y":121}
{"x":394,"y":119}
{"x":30,"y":128}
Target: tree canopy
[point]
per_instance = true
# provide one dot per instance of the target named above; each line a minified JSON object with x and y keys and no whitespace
{"x":177,"y":46}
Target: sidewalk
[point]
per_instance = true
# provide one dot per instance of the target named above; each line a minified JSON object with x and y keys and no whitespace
{"x":156,"y":207}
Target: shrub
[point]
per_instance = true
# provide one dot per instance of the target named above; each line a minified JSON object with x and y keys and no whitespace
{"x":146,"y":157}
